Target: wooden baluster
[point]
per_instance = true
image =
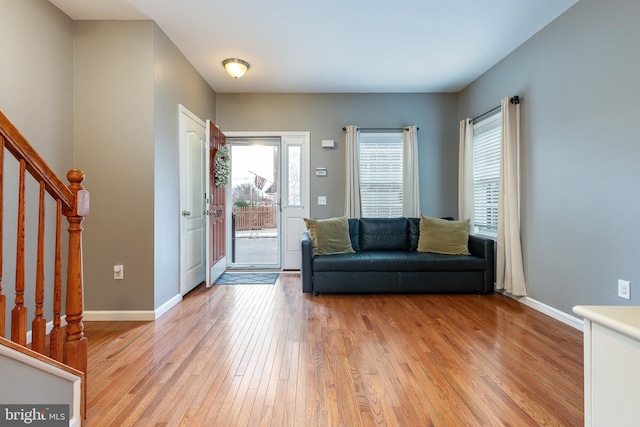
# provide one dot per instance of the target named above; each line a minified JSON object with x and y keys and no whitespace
{"x":56,"y":337}
{"x":75,"y":346}
{"x":3,"y":299}
{"x":19,"y":312}
{"x":39,"y":323}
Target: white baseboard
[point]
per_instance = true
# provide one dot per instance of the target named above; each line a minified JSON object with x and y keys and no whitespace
{"x":119,"y":316}
{"x":130,"y":315}
{"x":561,"y":316}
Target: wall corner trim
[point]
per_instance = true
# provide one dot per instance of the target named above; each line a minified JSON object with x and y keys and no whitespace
{"x":167,"y":306}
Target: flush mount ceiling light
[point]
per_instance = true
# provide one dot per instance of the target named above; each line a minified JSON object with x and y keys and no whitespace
{"x":235,"y":67}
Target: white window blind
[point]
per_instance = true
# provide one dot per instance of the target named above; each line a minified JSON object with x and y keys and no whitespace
{"x":486,"y":174}
{"x":381,"y":175}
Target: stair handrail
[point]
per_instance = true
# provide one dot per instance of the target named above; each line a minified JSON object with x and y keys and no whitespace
{"x":73,"y":202}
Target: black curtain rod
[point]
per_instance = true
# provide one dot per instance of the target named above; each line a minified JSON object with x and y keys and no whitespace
{"x":513,"y":100}
{"x":344,"y":128}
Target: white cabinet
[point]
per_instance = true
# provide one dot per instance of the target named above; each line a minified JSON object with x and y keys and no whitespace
{"x":611,"y":365}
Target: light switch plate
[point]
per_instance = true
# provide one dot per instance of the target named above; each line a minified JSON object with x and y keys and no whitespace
{"x":624,"y":289}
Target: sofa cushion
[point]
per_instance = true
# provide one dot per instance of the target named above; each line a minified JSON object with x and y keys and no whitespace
{"x":384,"y":234}
{"x":329,"y":236}
{"x":354,"y":233}
{"x":414,"y":233}
{"x":443,"y":236}
{"x":397,"y":261}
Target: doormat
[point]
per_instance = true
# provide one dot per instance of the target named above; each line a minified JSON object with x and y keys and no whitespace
{"x":247,"y":279}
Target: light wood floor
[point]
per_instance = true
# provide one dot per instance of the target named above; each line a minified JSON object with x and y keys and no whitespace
{"x":250,"y":355}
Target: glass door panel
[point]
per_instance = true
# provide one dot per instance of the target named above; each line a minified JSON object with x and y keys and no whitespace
{"x":255,"y":199}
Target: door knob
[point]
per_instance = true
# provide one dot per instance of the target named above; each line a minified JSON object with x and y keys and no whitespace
{"x":186,"y":213}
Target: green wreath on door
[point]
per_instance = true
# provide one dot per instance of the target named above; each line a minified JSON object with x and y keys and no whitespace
{"x":222,"y":166}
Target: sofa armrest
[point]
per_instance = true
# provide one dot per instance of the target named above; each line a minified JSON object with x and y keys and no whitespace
{"x":485,"y":248}
{"x":306,"y":267}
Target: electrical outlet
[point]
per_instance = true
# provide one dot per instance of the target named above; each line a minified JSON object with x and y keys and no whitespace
{"x":118,"y":272}
{"x":624,"y":289}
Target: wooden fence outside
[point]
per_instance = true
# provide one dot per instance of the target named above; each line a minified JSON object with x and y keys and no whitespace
{"x":255,"y":217}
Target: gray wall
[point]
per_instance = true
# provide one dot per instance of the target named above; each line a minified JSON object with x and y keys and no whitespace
{"x":50,"y":389}
{"x":36,"y":94}
{"x":176,"y":82}
{"x":114,"y":143}
{"x":129,"y":81}
{"x":103,"y":96}
{"x":578,"y":81}
{"x":324,"y":115}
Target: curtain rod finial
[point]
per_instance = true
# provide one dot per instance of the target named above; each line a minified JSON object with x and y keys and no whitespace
{"x":515,"y":100}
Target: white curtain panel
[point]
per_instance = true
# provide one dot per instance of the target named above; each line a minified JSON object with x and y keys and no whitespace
{"x":510,"y":270}
{"x":352,"y":195}
{"x":465,"y":171}
{"x":410,"y":172}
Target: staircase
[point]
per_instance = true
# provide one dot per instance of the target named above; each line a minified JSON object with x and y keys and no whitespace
{"x":58,"y":347}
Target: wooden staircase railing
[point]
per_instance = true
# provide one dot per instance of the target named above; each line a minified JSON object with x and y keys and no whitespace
{"x":67,"y":345}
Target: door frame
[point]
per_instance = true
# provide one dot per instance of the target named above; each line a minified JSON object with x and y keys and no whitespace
{"x":287,"y":236}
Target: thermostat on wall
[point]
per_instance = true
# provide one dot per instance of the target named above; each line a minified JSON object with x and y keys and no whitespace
{"x":328,"y":143}
{"x":321,"y":171}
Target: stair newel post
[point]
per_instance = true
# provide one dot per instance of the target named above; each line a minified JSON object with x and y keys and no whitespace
{"x":75,"y":347}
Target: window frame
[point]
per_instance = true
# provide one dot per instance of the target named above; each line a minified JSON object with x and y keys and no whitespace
{"x":393,"y":143}
{"x":488,"y":133}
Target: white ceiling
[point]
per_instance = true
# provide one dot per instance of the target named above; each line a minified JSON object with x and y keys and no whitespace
{"x":336,"y":46}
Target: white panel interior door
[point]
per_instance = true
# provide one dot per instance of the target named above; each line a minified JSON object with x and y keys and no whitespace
{"x":192,"y":189}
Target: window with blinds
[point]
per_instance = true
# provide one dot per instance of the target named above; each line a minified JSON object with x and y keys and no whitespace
{"x":381,"y":175}
{"x":487,"y":136}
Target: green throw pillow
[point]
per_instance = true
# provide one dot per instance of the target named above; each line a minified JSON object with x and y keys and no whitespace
{"x":443,"y":237}
{"x":329,"y":236}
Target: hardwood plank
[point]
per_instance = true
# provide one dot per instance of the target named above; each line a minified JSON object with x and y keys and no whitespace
{"x":271,"y":356}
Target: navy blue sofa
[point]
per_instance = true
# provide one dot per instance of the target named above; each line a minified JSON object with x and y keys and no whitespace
{"x":386,"y":261}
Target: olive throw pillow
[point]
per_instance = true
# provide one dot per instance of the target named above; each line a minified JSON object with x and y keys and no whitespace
{"x":329,"y":236}
{"x":443,"y":237}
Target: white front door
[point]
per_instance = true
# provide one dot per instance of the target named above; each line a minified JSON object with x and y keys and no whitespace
{"x":192,"y":190}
